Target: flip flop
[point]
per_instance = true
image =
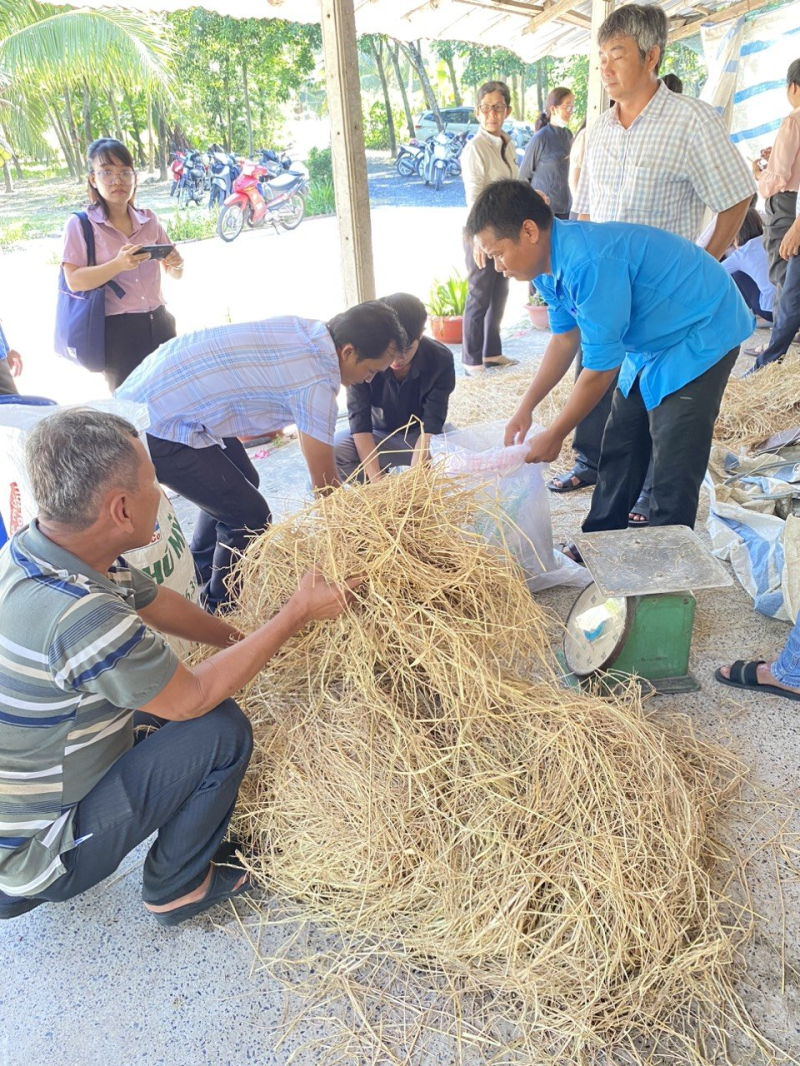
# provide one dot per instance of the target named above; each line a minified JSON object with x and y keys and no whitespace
{"x":641,"y":507}
{"x":221,"y":888}
{"x":744,"y":675}
{"x":499,"y":361}
{"x":566,"y":481}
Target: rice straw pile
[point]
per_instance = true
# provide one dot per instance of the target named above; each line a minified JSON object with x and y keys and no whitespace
{"x":495,"y":396}
{"x":518,"y":867}
{"x":754,"y":408}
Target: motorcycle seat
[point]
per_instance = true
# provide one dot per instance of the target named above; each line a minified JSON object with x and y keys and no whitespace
{"x":283,"y":181}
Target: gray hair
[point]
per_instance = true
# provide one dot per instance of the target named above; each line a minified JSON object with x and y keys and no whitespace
{"x":73,"y":457}
{"x":645,"y":23}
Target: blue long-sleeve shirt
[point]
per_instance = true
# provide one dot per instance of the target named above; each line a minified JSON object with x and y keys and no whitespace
{"x":648,"y":302}
{"x":5,"y":347}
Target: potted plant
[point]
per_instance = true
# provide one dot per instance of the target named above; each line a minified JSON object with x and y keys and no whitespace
{"x":537,"y":310}
{"x":446,"y":305}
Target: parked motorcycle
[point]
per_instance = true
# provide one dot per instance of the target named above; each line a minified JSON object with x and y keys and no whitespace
{"x":192,"y":186}
{"x":409,"y":159}
{"x":438,"y":161}
{"x":224,"y":170}
{"x":259,"y":196}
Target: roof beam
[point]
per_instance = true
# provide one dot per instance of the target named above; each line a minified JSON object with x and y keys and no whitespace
{"x":575,"y":18}
{"x":505,"y":7}
{"x":551,"y":9}
{"x":732,"y":11}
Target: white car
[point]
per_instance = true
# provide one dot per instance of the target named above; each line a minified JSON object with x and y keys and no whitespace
{"x":456,"y":120}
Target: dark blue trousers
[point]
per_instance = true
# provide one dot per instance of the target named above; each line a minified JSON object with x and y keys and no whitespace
{"x":180,"y":779}
{"x":787,"y":316}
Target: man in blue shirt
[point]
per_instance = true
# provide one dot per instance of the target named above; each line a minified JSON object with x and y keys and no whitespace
{"x":647,"y":303}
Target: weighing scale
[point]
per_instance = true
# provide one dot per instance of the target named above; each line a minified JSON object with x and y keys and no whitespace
{"x":637,"y":615}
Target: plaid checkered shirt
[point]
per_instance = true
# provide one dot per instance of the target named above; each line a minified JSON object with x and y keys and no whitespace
{"x":674,"y":161}
{"x":240,"y":380}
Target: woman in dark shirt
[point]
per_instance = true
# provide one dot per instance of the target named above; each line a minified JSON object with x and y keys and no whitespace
{"x":546,"y":162}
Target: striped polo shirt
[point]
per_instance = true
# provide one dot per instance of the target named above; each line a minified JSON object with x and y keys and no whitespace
{"x":75,"y":661}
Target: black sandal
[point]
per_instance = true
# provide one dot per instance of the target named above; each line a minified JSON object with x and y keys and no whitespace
{"x":744,"y":675}
{"x":221,"y":888}
{"x":642,"y":508}
{"x":578,"y":474}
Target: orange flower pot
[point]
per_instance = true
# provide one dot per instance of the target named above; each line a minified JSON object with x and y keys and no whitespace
{"x":448,"y":330}
{"x":538,"y":316}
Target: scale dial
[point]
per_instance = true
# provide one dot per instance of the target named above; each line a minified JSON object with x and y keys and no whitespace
{"x":596,"y":631}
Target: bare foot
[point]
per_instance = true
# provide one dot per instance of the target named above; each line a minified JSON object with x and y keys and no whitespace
{"x":637,"y":519}
{"x":190,"y":897}
{"x":764,"y":676}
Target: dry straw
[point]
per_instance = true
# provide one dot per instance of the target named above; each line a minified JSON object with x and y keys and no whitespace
{"x":752,"y":408}
{"x":755,"y":407}
{"x":514,"y":867}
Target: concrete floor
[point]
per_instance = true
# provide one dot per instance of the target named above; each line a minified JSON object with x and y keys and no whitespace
{"x":96,"y":982}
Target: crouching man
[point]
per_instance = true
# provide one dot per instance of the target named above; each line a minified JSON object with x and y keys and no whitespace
{"x":81,"y":641}
{"x":649,"y":304}
{"x":393,"y":415}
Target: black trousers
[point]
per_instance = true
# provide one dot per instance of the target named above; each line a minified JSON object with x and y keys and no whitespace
{"x":588,"y":435}
{"x":779,"y":214}
{"x":486,"y":302}
{"x":181,"y":779}
{"x":787,"y":317}
{"x":224,"y":484}
{"x":677,"y":433}
{"x":131,"y":338}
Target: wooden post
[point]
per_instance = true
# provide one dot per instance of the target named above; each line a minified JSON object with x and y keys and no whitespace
{"x":598,"y":98}
{"x":340,"y":54}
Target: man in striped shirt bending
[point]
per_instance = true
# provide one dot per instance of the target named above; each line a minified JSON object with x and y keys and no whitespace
{"x":82,"y":660}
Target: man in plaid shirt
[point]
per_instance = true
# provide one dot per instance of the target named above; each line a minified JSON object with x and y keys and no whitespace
{"x":658,"y":159}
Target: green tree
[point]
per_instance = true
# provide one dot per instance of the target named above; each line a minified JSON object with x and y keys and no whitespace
{"x":681,"y":59}
{"x":234,"y":71}
{"x":55,"y":63}
{"x":375,"y":47}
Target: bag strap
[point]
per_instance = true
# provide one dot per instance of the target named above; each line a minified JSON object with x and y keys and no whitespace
{"x":88,"y":236}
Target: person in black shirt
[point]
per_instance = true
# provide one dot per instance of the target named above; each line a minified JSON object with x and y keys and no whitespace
{"x":415,"y":387}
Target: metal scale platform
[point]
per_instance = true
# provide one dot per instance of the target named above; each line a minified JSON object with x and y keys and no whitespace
{"x":637,"y":615}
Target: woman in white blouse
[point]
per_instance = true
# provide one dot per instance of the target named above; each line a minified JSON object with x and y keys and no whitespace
{"x":488,"y":157}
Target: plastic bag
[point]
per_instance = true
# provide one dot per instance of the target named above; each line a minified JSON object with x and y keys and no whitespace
{"x":519,"y":490}
{"x":746,"y":497}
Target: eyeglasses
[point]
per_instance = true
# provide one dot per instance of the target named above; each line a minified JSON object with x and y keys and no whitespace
{"x":111,"y":177}
{"x":487,"y":109}
{"x":566,"y":107}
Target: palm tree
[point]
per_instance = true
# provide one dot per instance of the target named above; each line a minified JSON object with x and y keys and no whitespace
{"x":54,"y":62}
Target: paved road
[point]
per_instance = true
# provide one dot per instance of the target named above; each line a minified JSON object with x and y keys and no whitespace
{"x":388,"y":189}
{"x":416,"y":239}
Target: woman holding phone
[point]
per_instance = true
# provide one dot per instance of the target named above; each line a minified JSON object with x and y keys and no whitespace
{"x":137,"y":321}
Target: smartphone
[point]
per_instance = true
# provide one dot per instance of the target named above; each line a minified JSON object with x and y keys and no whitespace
{"x":157,"y":251}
